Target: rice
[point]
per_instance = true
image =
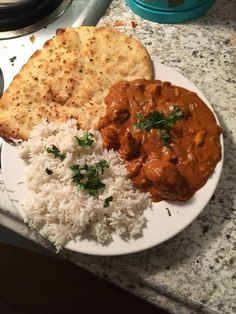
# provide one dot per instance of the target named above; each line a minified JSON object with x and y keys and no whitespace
{"x":57,"y":208}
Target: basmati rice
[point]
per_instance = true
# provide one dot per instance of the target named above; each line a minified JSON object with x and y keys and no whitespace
{"x":57,"y":209}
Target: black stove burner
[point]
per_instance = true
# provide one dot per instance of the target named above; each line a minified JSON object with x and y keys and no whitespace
{"x":29,"y":15}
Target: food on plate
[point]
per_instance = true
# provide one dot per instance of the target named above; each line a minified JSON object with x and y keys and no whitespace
{"x":69,"y":78}
{"x":75,"y":187}
{"x":167,"y":135}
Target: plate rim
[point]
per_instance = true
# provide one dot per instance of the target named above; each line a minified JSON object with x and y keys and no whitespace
{"x":74,"y":246}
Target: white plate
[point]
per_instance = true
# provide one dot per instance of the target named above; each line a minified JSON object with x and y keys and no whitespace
{"x":160,"y":225}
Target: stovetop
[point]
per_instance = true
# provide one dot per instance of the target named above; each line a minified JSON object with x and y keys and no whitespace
{"x":23,"y":17}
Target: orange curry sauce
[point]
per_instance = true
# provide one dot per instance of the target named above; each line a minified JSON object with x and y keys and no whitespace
{"x":173,"y":171}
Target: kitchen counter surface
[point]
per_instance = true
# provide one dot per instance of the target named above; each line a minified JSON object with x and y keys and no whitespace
{"x":195,"y":271}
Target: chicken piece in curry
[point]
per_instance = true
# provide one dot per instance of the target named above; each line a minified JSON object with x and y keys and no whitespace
{"x":166,"y":134}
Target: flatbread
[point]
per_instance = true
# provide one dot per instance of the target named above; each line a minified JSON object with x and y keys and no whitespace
{"x":69,"y":78}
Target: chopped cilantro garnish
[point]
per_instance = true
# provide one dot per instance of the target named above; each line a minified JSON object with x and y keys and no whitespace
{"x":175,"y":115}
{"x":85,"y":140}
{"x":107,"y":201}
{"x":165,"y":137}
{"x":88,"y":177}
{"x":55,"y":151}
{"x":156,"y":120}
{"x":12,"y":60}
{"x":101,"y":165}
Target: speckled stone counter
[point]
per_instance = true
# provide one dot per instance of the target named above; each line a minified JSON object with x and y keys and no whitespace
{"x":195,"y":271}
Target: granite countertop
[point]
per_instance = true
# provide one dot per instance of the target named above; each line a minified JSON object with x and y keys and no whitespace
{"x":195,"y":271}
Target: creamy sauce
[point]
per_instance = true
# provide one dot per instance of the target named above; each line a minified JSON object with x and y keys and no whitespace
{"x":174,"y":171}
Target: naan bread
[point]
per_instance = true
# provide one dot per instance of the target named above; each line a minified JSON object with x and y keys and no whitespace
{"x":69,"y":78}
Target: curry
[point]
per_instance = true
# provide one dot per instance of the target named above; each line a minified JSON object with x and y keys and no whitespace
{"x":166,"y":134}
